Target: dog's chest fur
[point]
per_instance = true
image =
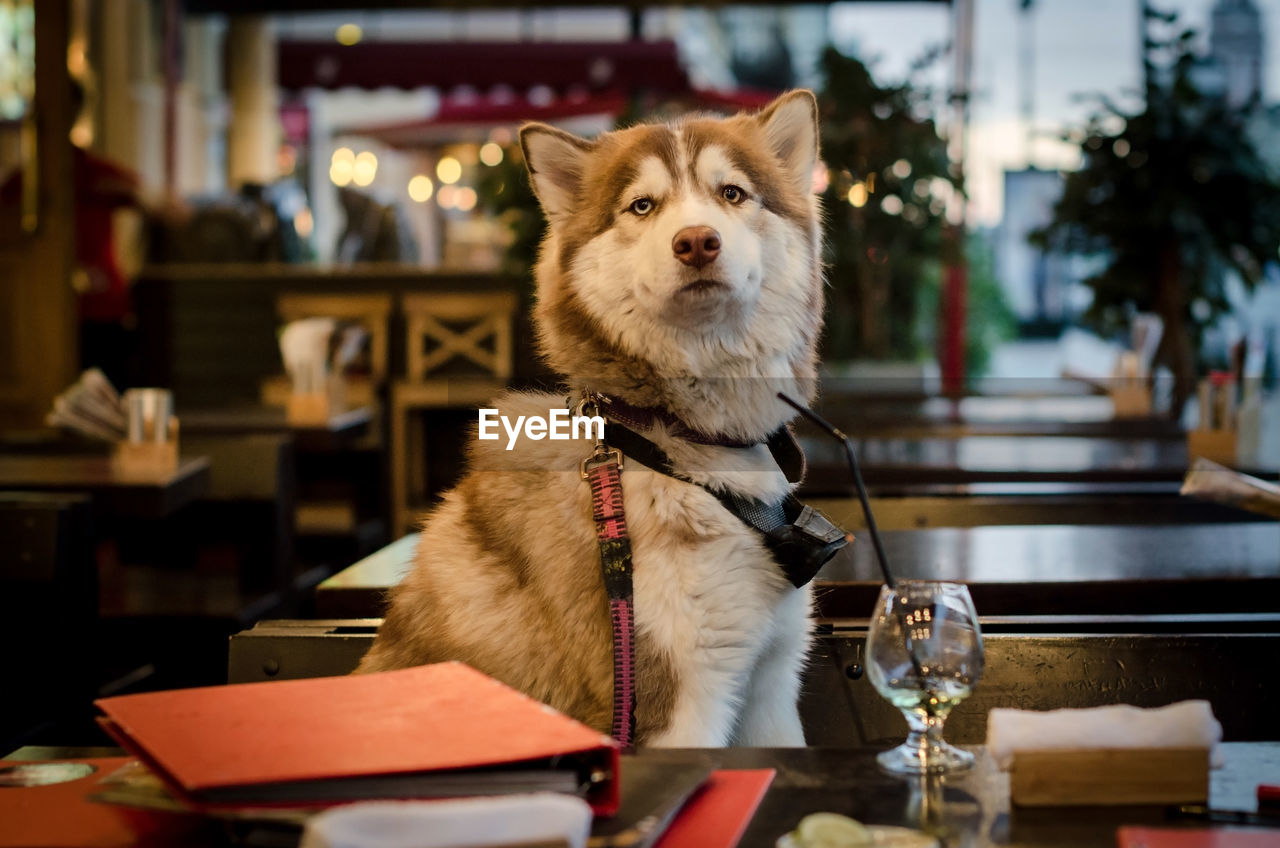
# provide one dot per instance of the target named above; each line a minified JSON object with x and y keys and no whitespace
{"x":508,"y":580}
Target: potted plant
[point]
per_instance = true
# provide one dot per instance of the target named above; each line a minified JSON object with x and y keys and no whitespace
{"x":1173,"y":197}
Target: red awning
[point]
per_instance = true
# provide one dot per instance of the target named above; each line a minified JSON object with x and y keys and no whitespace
{"x":518,"y":65}
{"x":455,"y":121}
{"x":475,"y":117}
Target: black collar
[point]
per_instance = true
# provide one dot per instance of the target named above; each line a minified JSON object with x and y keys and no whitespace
{"x":645,"y":417}
{"x":782,"y":446}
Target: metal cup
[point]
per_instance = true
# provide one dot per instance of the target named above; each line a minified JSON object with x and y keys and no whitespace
{"x":147,"y":412}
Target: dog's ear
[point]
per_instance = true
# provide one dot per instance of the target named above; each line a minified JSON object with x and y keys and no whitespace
{"x":791,"y":129}
{"x":555,"y":160}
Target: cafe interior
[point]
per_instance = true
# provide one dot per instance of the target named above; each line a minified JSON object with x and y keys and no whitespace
{"x":262,"y":262}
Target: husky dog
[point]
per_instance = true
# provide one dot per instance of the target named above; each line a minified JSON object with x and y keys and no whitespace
{"x":681,"y":274}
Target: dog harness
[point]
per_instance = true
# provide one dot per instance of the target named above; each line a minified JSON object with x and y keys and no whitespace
{"x":800,"y":539}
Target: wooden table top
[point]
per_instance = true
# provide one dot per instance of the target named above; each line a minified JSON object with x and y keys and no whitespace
{"x":1072,"y":569}
{"x":940,"y":460}
{"x":1068,"y":415}
{"x":1010,"y":570}
{"x":339,"y":431}
{"x":124,"y":495}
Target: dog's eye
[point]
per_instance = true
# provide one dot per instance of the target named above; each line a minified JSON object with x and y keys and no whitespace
{"x":733,"y":194}
{"x":641,"y":206}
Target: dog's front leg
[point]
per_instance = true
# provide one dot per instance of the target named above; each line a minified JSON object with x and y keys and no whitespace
{"x":771,"y":714}
{"x":704,"y":713}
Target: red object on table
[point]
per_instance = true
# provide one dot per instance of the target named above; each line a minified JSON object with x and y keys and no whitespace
{"x":432,"y":719}
{"x":1196,"y":837}
{"x":719,"y":813}
{"x":60,"y":815}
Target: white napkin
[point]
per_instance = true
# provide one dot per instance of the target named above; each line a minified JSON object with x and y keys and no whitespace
{"x":304,"y":347}
{"x":503,"y":819}
{"x":1186,"y":724}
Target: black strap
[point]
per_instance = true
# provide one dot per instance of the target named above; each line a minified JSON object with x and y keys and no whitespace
{"x":800,"y":538}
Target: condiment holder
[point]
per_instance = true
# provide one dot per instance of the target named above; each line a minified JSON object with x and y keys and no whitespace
{"x":1224,"y":418}
{"x":316,"y":408}
{"x":150,"y":446}
{"x":1129,"y":388}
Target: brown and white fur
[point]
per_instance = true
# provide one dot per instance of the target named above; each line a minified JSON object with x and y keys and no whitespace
{"x":507,"y":576}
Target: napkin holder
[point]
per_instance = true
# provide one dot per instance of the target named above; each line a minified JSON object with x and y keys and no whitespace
{"x":147,"y":458}
{"x":1218,"y":446}
{"x":316,"y":409}
{"x":1109,"y":777}
{"x":1131,"y":400}
{"x":1129,"y":387}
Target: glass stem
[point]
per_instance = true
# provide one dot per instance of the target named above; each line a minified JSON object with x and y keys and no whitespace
{"x":924,"y":734}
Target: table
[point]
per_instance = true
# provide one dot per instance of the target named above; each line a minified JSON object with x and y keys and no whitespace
{"x":1003,"y":459}
{"x":1066,"y":569}
{"x":1011,"y":570}
{"x":339,"y":431}
{"x":357,"y":591}
{"x":1067,"y":415}
{"x":339,"y":464}
{"x":911,"y":507}
{"x":115,"y":494}
{"x":969,"y":809}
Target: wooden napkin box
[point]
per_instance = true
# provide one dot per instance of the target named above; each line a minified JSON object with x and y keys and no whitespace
{"x":1131,"y":400}
{"x":1110,"y":777}
{"x":1216,"y":445}
{"x":147,"y":459}
{"x":315,"y":409}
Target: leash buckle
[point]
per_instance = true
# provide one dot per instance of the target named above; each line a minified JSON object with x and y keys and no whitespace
{"x":602,"y":455}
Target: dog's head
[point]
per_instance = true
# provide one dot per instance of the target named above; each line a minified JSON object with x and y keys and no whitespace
{"x":683,"y":261}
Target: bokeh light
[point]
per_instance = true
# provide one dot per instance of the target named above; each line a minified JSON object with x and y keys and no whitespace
{"x":421,"y":188}
{"x":449,"y":170}
{"x":365,"y":169}
{"x":348,"y":34}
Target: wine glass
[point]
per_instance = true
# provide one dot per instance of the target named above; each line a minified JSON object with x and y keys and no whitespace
{"x":924,"y":656}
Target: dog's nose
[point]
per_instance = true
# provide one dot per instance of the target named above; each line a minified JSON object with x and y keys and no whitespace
{"x":696,"y":247}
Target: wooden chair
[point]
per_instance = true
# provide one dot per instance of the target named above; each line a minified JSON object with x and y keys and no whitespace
{"x":458,"y":354}
{"x":442,"y":328}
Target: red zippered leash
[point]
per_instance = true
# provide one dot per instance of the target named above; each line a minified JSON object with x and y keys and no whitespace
{"x":603,"y":471}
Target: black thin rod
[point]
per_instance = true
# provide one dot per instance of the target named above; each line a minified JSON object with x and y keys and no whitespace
{"x":835,"y":432}
{"x":857,"y":479}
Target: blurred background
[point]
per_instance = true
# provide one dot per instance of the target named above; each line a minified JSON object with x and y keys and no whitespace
{"x":1001,"y":176}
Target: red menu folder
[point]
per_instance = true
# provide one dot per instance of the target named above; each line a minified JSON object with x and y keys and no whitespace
{"x":433,"y":731}
{"x":718,"y":815}
{"x":1196,"y":837}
